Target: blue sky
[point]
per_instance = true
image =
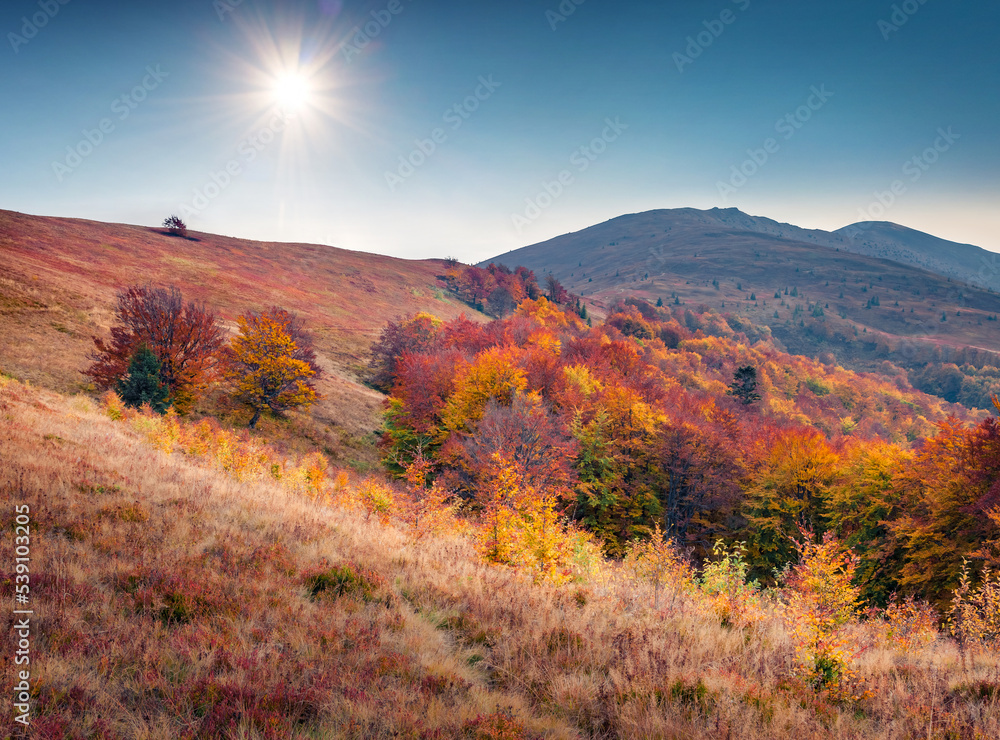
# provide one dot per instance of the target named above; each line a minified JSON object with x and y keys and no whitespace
{"x":438,"y":127}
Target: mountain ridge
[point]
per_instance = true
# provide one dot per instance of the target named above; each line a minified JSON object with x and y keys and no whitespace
{"x":880,"y":239}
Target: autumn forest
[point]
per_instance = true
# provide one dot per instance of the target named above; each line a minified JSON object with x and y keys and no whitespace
{"x":642,"y":421}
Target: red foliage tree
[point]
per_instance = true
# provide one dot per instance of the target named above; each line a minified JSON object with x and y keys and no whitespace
{"x":416,"y":333}
{"x":175,"y":226}
{"x":701,"y":483}
{"x":476,"y":283}
{"x":184,"y":336}
{"x":556,"y":292}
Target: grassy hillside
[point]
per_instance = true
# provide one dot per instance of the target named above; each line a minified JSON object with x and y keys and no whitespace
{"x":265,"y":614}
{"x":59,"y":277}
{"x":963,"y":262}
{"x":728,"y":262}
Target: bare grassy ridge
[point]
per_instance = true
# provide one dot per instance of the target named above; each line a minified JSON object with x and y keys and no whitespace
{"x":173,"y":601}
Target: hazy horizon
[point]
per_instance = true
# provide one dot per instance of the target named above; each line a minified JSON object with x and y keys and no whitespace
{"x":435,"y":128}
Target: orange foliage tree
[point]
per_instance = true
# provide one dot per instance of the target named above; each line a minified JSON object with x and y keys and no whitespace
{"x":267,"y":368}
{"x":949,"y":491}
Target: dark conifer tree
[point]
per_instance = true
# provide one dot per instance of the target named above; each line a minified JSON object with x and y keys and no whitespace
{"x":142,"y":384}
{"x":744,"y":385}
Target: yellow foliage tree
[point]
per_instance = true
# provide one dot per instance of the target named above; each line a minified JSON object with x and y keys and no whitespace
{"x":582,"y":378}
{"x":265,"y":367}
{"x":820,"y":600}
{"x":548,"y":314}
{"x":431,"y":508}
{"x":791,"y":488}
{"x":498,"y":537}
{"x":494,"y":375}
{"x":376,"y":498}
{"x":521,"y":527}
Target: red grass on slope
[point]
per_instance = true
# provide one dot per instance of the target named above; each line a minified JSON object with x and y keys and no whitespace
{"x":59,"y":276}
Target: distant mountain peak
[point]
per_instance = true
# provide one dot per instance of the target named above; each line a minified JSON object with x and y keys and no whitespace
{"x":880,"y":239}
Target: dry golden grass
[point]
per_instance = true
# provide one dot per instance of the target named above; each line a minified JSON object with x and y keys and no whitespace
{"x":174,"y":601}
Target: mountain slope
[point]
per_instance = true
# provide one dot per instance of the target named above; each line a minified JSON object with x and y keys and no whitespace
{"x":880,"y":239}
{"x":59,"y":276}
{"x":890,"y":241}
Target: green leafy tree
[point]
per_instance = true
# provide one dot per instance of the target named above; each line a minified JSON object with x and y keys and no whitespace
{"x":142,"y":383}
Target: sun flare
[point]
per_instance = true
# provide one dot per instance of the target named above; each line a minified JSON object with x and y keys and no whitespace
{"x":292,"y":91}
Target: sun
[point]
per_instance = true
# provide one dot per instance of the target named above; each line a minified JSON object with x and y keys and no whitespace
{"x":292,"y":91}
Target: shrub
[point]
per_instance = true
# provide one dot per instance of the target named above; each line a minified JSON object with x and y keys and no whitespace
{"x":376,"y":498}
{"x":498,"y":725}
{"x":733,"y":600}
{"x":658,"y":562}
{"x":175,"y":226}
{"x":974,"y":615}
{"x":113,"y":406}
{"x":909,"y":624}
{"x":342,"y":580}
